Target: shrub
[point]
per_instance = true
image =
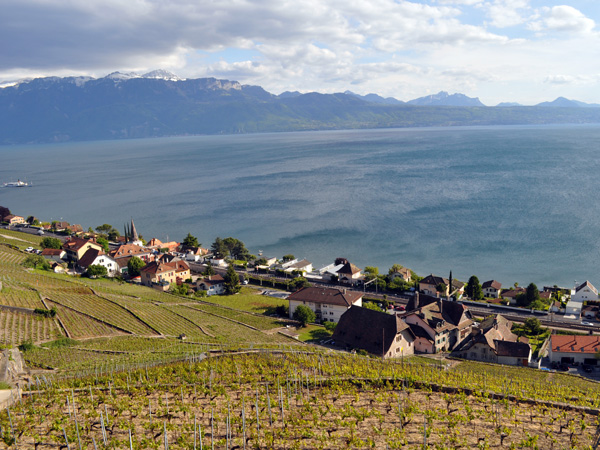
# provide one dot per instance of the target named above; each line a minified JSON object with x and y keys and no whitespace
{"x":304,"y":315}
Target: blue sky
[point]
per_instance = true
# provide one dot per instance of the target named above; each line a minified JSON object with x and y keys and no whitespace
{"x":524,"y":51}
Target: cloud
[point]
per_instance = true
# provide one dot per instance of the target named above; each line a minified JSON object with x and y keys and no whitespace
{"x":563,"y":18}
{"x":507,"y":13}
{"x":570,"y":79}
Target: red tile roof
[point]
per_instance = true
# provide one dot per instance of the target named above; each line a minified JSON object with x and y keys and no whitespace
{"x":575,"y":343}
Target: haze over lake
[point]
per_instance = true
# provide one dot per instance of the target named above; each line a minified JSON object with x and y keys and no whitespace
{"x":509,"y":203}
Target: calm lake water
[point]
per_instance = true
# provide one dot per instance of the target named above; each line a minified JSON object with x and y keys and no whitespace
{"x":510,"y":203}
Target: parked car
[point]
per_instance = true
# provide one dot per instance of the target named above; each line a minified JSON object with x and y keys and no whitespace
{"x":29,"y":249}
{"x":587,"y":368}
{"x":589,"y":324}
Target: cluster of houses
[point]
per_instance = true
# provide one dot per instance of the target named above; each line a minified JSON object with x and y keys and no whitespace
{"x":428,"y":325}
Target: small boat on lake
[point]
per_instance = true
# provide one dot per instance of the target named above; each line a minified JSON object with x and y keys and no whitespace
{"x":17,"y":183}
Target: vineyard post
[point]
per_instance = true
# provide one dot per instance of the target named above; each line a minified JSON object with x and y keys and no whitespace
{"x":195,"y":424}
{"x":94,"y":442}
{"x":212,"y":429}
{"x":165,"y":434}
{"x":12,"y":429}
{"x":269,"y":406}
{"x":244,"y":422}
{"x":257,"y":418}
{"x":66,"y":440}
{"x":103,"y":429}
{"x":130,"y":440}
{"x":106,"y":415}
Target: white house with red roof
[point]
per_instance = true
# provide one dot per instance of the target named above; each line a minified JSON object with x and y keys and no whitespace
{"x":582,"y":293}
{"x":569,"y":349}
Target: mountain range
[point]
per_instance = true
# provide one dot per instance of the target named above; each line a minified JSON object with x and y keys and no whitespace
{"x":158,"y":103}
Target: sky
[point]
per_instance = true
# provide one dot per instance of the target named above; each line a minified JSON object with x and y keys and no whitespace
{"x":524,"y":51}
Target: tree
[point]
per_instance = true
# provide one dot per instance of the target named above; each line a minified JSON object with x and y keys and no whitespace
{"x":533,"y":326}
{"x":104,"y":228}
{"x":299,"y":283}
{"x":372,"y":305}
{"x":104,"y":243}
{"x":209,"y":270}
{"x":330,"y":326}
{"x":473,"y":288}
{"x":190,"y":241}
{"x":441,"y":288}
{"x":176,"y":289}
{"x":232,"y":281}
{"x":371,"y":272}
{"x":31,"y":220}
{"x":304,"y":315}
{"x":134,"y":266}
{"x":288,"y":257}
{"x":36,"y":262}
{"x":218,"y":248}
{"x":4,"y":211}
{"x":96,"y":270}
{"x":50,"y":242}
{"x":236,"y":249}
{"x":395,"y":268}
{"x":113,"y":235}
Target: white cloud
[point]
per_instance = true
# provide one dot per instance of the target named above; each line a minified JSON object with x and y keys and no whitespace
{"x":507,"y":13}
{"x":563,"y":18}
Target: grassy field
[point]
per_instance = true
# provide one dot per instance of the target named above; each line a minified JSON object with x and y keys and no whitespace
{"x":248,"y":300}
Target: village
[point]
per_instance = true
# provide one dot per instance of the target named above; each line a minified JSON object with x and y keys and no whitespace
{"x":430,"y":315}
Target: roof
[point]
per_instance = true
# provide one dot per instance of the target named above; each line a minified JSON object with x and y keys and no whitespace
{"x":212,"y":280}
{"x":492,"y":284}
{"x":370,"y":330}
{"x":443,"y":315}
{"x":52,"y":252}
{"x":587,"y":284}
{"x":575,"y":343}
{"x":89,"y":257}
{"x":300,"y":264}
{"x":495,"y":332}
{"x":329,"y":296}
{"x":403,"y":272}
{"x":349,"y":268}
{"x":75,"y":244}
{"x":159,"y":267}
{"x":514,"y":349}
{"x":129,"y":250}
{"x":512,"y":292}
{"x":434,"y":280}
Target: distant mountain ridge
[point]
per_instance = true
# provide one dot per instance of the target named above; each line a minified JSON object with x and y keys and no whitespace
{"x":158,"y":103}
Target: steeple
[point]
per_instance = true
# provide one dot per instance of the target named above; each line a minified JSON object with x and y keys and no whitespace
{"x":450,"y":288}
{"x":133,"y":235}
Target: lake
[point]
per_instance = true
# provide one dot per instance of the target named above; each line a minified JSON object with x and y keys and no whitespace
{"x":511,"y":203}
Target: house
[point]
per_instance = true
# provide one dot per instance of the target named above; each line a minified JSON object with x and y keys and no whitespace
{"x":376,"y":332}
{"x":491,"y":289}
{"x":582,"y":293}
{"x":439,"y":325}
{"x":299,"y":266}
{"x":493,"y":341}
{"x":130,"y":250}
{"x":60,"y":226}
{"x":218,"y":262}
{"x":193,"y":253}
{"x":75,"y":229}
{"x":328,"y":303}
{"x":348,"y":273}
{"x":213,"y":285}
{"x":54,"y":254}
{"x":97,"y":257}
{"x":430,"y":283}
{"x":160,"y":275}
{"x":404,"y":274}
{"x":512,"y":294}
{"x":12,"y":219}
{"x":76,"y":247}
{"x":570,"y":349}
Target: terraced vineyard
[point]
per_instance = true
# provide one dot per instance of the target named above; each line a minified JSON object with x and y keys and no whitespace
{"x":18,"y":327}
{"x":294,"y":400}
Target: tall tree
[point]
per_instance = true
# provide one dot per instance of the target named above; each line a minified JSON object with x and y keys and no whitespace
{"x":209,"y":270}
{"x":232,"y":281}
{"x":473,"y":288}
{"x":4,"y":211}
{"x":288,"y":257}
{"x":395,"y":268}
{"x":371,"y":272}
{"x":104,"y":228}
{"x":219,"y":249}
{"x":190,"y":241}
